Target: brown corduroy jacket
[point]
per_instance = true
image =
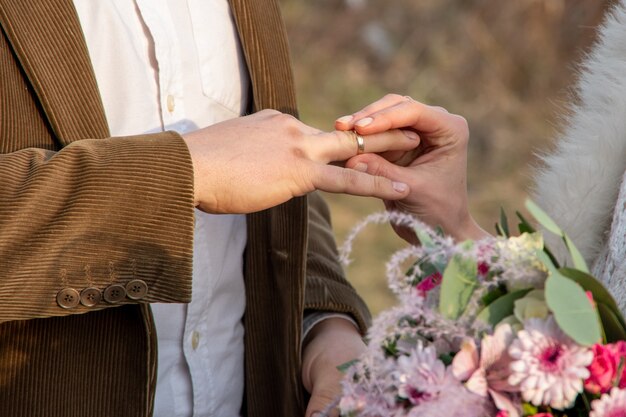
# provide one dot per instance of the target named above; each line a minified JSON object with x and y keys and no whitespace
{"x":79,"y":209}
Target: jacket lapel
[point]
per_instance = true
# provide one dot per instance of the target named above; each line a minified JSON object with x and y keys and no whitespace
{"x":265,"y":47}
{"x":47,"y":39}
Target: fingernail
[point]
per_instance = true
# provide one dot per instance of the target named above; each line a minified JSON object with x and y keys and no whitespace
{"x":345,"y":119}
{"x":411,"y":134}
{"x":400,"y":186}
{"x":361,"y":167}
{"x":364,"y":122}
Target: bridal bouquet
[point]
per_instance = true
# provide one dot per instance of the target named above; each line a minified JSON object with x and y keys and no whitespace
{"x":490,"y":328}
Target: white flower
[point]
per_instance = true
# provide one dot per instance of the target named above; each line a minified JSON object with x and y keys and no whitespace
{"x":548,"y":366}
{"x":610,"y":405}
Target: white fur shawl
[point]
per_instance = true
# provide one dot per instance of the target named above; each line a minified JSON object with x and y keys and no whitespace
{"x":580,"y":181}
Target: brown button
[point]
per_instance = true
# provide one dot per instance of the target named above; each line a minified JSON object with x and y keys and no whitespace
{"x":136,"y":289}
{"x":90,"y":297}
{"x":114,"y":293}
{"x":68,"y":298}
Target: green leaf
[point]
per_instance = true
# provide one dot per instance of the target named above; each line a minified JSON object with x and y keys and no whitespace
{"x":502,"y":307}
{"x":457,"y":286}
{"x":424,"y":238}
{"x":529,"y":409}
{"x":549,"y":224}
{"x":572,"y":310}
{"x":493,"y":295}
{"x":577,"y":257}
{"x":547,"y":261}
{"x":589,"y":283}
{"x":446,"y":358}
{"x":504,"y":223}
{"x":524,"y":225}
{"x":343,"y":368}
{"x":543,"y":218}
{"x":613,"y":327}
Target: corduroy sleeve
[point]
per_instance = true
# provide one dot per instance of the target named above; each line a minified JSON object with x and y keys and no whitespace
{"x":326,"y":286}
{"x":96,"y":213}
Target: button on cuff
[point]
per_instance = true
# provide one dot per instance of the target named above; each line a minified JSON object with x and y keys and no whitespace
{"x":114,"y":294}
{"x":136,"y":289}
{"x":68,"y":298}
{"x":90,"y":297}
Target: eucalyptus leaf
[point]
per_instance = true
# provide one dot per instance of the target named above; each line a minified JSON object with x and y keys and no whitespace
{"x":589,"y":283}
{"x":457,"y":286}
{"x":573,"y":311}
{"x":547,"y":262}
{"x":577,"y":257}
{"x":543,"y":218}
{"x":612,"y":326}
{"x":424,"y":238}
{"x":502,"y":307}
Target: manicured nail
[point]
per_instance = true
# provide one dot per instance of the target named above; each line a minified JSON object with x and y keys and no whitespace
{"x":361,"y":167}
{"x":400,"y":186}
{"x":345,"y":119}
{"x":364,"y":122}
{"x":411,"y":134}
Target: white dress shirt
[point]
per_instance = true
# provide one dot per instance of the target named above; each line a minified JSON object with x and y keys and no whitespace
{"x":177,"y":65}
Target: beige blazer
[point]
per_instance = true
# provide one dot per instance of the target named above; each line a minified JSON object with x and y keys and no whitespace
{"x":86,"y":219}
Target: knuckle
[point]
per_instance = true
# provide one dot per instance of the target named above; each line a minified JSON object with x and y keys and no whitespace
{"x":269,"y":112}
{"x":394,"y":96}
{"x":286,"y":118}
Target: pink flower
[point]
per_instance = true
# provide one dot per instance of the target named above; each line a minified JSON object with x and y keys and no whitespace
{"x":610,"y":405}
{"x":432,"y":390}
{"x":605,"y":366}
{"x":429,"y":283}
{"x":489,"y":375}
{"x":502,"y":413}
{"x":602,"y":370}
{"x":483,"y":268}
{"x":590,"y":297}
{"x":619,"y":349}
{"x":542,"y":415}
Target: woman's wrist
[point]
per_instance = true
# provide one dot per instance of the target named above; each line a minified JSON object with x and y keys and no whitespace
{"x":469,"y":230}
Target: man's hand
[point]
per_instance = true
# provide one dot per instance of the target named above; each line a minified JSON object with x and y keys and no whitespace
{"x":255,"y":162}
{"x":436,"y":171}
{"x":330,"y":343}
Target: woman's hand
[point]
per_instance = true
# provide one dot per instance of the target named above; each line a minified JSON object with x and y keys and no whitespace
{"x":436,"y":171}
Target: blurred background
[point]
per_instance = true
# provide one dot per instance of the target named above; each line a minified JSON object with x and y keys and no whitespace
{"x":506,"y":66}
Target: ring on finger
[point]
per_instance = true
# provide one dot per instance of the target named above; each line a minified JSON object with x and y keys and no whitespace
{"x":360,"y":143}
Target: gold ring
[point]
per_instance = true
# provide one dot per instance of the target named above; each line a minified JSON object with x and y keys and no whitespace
{"x":360,"y":143}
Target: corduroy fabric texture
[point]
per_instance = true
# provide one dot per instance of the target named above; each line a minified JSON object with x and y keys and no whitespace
{"x":78,"y":209}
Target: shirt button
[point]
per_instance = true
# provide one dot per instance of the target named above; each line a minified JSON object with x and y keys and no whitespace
{"x":90,"y":297}
{"x":114,"y":293}
{"x":171,"y":104}
{"x":68,"y":298}
{"x":195,"y":340}
{"x":136,"y":289}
